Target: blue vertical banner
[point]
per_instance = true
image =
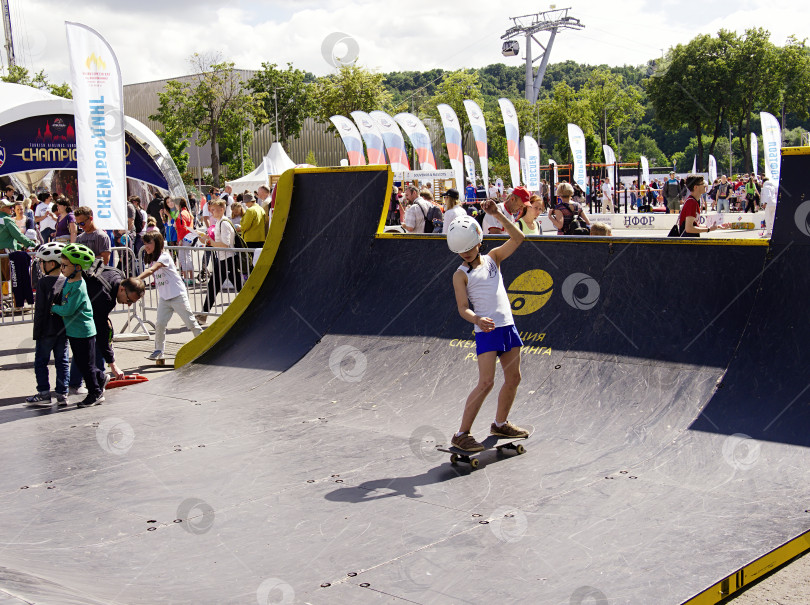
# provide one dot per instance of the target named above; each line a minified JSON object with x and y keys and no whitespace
{"x":99,"y":123}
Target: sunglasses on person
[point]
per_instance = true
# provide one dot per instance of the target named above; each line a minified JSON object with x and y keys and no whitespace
{"x":80,"y":223}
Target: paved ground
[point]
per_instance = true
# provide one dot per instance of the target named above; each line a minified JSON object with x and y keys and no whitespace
{"x":789,"y":585}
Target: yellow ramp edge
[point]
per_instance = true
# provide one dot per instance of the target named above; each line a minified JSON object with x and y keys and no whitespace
{"x":752,"y":572}
{"x":213,"y":334}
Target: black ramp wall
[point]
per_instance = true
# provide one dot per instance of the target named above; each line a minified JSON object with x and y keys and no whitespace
{"x":295,"y":461}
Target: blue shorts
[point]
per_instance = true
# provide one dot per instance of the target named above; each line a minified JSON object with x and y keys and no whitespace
{"x":500,"y":340}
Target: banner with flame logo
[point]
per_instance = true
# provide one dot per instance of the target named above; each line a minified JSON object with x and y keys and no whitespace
{"x":420,"y":139}
{"x":394,"y":141}
{"x":372,"y":137}
{"x":452,"y":137}
{"x":510,"y":123}
{"x":479,"y":129}
{"x":99,"y":126}
{"x":351,"y":139}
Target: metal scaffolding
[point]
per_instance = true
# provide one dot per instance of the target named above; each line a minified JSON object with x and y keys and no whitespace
{"x":529,"y":25}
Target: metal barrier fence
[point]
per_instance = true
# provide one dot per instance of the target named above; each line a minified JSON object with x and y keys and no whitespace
{"x":195,"y":264}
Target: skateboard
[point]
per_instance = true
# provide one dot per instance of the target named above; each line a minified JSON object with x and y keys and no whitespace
{"x":741,"y":225}
{"x":491,"y":442}
{"x":127,"y":380}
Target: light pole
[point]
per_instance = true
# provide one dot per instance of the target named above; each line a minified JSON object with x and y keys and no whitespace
{"x":730,"y":154}
{"x":275,"y":103}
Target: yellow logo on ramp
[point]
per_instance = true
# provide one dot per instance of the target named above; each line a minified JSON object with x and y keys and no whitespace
{"x":530,"y":291}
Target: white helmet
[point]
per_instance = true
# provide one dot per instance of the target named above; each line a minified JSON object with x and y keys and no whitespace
{"x":50,"y":251}
{"x":463,"y":234}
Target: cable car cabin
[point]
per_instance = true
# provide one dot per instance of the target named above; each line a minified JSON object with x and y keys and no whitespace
{"x":510,"y":48}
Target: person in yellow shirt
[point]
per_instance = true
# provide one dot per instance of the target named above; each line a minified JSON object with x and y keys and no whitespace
{"x":253,"y":223}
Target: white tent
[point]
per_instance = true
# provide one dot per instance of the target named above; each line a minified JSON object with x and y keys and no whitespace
{"x":275,"y":162}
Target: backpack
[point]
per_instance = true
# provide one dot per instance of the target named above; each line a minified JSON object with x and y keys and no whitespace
{"x":431,"y":219}
{"x":239,"y":241}
{"x":436,"y":218}
{"x":139,"y":222}
{"x":577,"y":226}
{"x":103,"y":274}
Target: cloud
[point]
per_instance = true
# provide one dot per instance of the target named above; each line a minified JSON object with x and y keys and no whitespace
{"x":154,"y":38}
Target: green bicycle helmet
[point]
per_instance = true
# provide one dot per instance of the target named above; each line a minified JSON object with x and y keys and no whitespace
{"x":79,"y":254}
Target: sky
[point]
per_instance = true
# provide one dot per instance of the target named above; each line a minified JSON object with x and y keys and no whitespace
{"x":154,"y":39}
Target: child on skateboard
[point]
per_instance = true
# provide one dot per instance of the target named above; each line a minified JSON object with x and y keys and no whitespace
{"x":478,"y":285}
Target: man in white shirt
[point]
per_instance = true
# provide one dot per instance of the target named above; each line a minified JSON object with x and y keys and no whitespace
{"x":417,"y":211}
{"x":607,"y":195}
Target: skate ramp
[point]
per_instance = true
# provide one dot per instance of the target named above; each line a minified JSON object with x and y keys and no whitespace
{"x":290,"y":459}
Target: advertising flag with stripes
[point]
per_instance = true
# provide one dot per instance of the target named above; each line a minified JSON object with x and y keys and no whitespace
{"x":469,"y":163}
{"x":755,"y":153}
{"x":610,"y":157}
{"x":712,"y":169}
{"x":479,"y":129}
{"x":510,"y":123}
{"x":645,"y":170}
{"x":394,"y":141}
{"x":351,"y":139}
{"x":452,"y":138}
{"x":374,"y":142}
{"x":420,"y":139}
{"x":577,"y":141}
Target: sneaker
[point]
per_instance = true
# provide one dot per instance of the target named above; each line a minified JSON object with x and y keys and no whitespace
{"x":157,"y":354}
{"x":90,"y":401}
{"x":466,"y":442}
{"x":43,"y":398}
{"x":77,"y":390}
{"x":508,"y":430}
{"x":61,"y":400}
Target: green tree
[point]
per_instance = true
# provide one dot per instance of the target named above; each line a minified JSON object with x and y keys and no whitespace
{"x":632,"y":149}
{"x":351,"y":88}
{"x":288,"y":91}
{"x":613,"y":103}
{"x":20,"y":75}
{"x":176,"y":144}
{"x":756,"y":82}
{"x":214,"y":102}
{"x":556,"y":111}
{"x":691,"y":87}
{"x":794,"y":71}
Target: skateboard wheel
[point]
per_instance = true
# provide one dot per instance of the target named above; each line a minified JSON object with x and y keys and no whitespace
{"x":475,"y":463}
{"x":453,"y":458}
{"x":161,"y":362}
{"x":520,"y":449}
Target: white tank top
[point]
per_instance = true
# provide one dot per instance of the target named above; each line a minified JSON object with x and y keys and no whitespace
{"x":487,"y":294}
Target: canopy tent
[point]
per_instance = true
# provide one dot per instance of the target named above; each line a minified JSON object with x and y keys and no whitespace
{"x":276,"y":162}
{"x":36,"y":138}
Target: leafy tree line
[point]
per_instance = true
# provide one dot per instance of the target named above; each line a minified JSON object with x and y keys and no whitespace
{"x":669,"y":110}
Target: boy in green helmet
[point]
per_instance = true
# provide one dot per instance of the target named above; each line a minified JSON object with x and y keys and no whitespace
{"x":77,"y":313}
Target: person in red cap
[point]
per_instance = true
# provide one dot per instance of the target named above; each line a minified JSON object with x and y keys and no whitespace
{"x":515,"y":201}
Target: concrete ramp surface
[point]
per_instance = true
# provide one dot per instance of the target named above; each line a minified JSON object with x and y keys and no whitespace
{"x":291,"y":459}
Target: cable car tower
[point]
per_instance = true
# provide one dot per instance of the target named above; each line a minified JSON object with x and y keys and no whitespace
{"x":7,"y":30}
{"x":529,"y":25}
